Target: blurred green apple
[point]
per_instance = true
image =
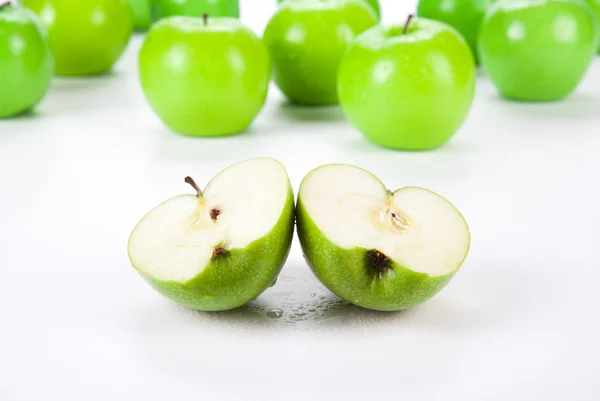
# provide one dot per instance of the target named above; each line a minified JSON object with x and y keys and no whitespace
{"x":373,"y":3}
{"x":463,"y":15}
{"x":86,"y":37}
{"x":196,"y":8}
{"x":25,"y":60}
{"x":538,"y":50}
{"x":142,"y":14}
{"x":307,"y":39}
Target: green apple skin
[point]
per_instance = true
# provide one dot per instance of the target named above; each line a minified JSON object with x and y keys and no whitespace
{"x":464,"y":15}
{"x":204,"y":79}
{"x":373,"y":3}
{"x":307,"y":39}
{"x":525,"y":59}
{"x":344,"y":272}
{"x":195,"y":8}
{"x":595,"y":5}
{"x":389,"y":84}
{"x":142,"y":14}
{"x":86,"y":37}
{"x":238,"y":277}
{"x":26,"y":63}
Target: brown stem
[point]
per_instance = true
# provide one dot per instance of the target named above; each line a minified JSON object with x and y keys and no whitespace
{"x":8,"y":3}
{"x":205,"y":18}
{"x":191,"y":181}
{"x":405,"y":30}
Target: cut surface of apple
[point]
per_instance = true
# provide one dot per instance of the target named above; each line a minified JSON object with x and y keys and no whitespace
{"x":374,"y":247}
{"x":218,"y":248}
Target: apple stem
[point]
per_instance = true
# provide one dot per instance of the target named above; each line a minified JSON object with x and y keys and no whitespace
{"x":191,"y":181}
{"x":8,"y":3}
{"x":205,"y":18}
{"x":405,"y":30}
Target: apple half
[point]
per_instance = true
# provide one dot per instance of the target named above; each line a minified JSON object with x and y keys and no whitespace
{"x":219,"y":248}
{"x":375,"y":248}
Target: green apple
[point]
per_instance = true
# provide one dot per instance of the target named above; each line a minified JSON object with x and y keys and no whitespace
{"x":307,"y":39}
{"x":595,"y":5}
{"x":464,"y":15}
{"x":373,"y":3}
{"x":25,"y":60}
{"x":142,"y":14}
{"x":204,"y":77}
{"x":86,"y":37}
{"x":375,"y":248}
{"x":408,"y":86}
{"x":538,"y":50}
{"x":222,"y":247}
{"x":196,"y":8}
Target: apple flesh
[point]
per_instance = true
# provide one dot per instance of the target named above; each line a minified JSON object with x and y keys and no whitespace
{"x":375,"y":248}
{"x":220,"y":248}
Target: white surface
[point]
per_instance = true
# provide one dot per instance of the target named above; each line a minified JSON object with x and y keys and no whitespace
{"x":519,"y":321}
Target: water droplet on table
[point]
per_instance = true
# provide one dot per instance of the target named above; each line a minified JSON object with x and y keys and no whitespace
{"x":275,"y":313}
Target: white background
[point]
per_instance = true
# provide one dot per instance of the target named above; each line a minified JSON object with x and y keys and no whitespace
{"x":520,"y":321}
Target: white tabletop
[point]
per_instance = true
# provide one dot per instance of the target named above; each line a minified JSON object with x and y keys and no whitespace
{"x":520,"y":320}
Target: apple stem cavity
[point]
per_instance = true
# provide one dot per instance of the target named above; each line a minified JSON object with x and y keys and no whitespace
{"x":205,"y":18}
{"x":219,"y":251}
{"x":407,"y":23}
{"x":190,"y":180}
{"x":6,"y":4}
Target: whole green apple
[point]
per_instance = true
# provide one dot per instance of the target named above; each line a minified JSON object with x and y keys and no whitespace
{"x":25,"y":60}
{"x":222,"y":247}
{"x":537,"y":50}
{"x":464,"y":15}
{"x":204,"y":77}
{"x":408,"y":86}
{"x":376,"y":248}
{"x":595,"y":4}
{"x":307,"y":39}
{"x":196,"y":8}
{"x":373,"y":3}
{"x":86,"y":37}
{"x":142,"y":14}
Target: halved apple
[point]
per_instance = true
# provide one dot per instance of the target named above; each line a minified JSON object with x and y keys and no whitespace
{"x":375,"y":248}
{"x":222,"y":247}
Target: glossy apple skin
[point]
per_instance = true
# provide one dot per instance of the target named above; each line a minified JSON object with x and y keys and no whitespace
{"x":142,"y":14}
{"x":307,"y":39}
{"x":538,"y":51}
{"x":196,"y":8}
{"x":373,"y":3}
{"x":86,"y":37}
{"x":204,"y":80}
{"x":408,"y":92}
{"x":463,"y":15}
{"x":26,"y":62}
{"x":595,"y":5}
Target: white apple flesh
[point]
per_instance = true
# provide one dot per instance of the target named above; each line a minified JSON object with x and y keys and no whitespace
{"x":376,"y":248}
{"x":219,"y":248}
